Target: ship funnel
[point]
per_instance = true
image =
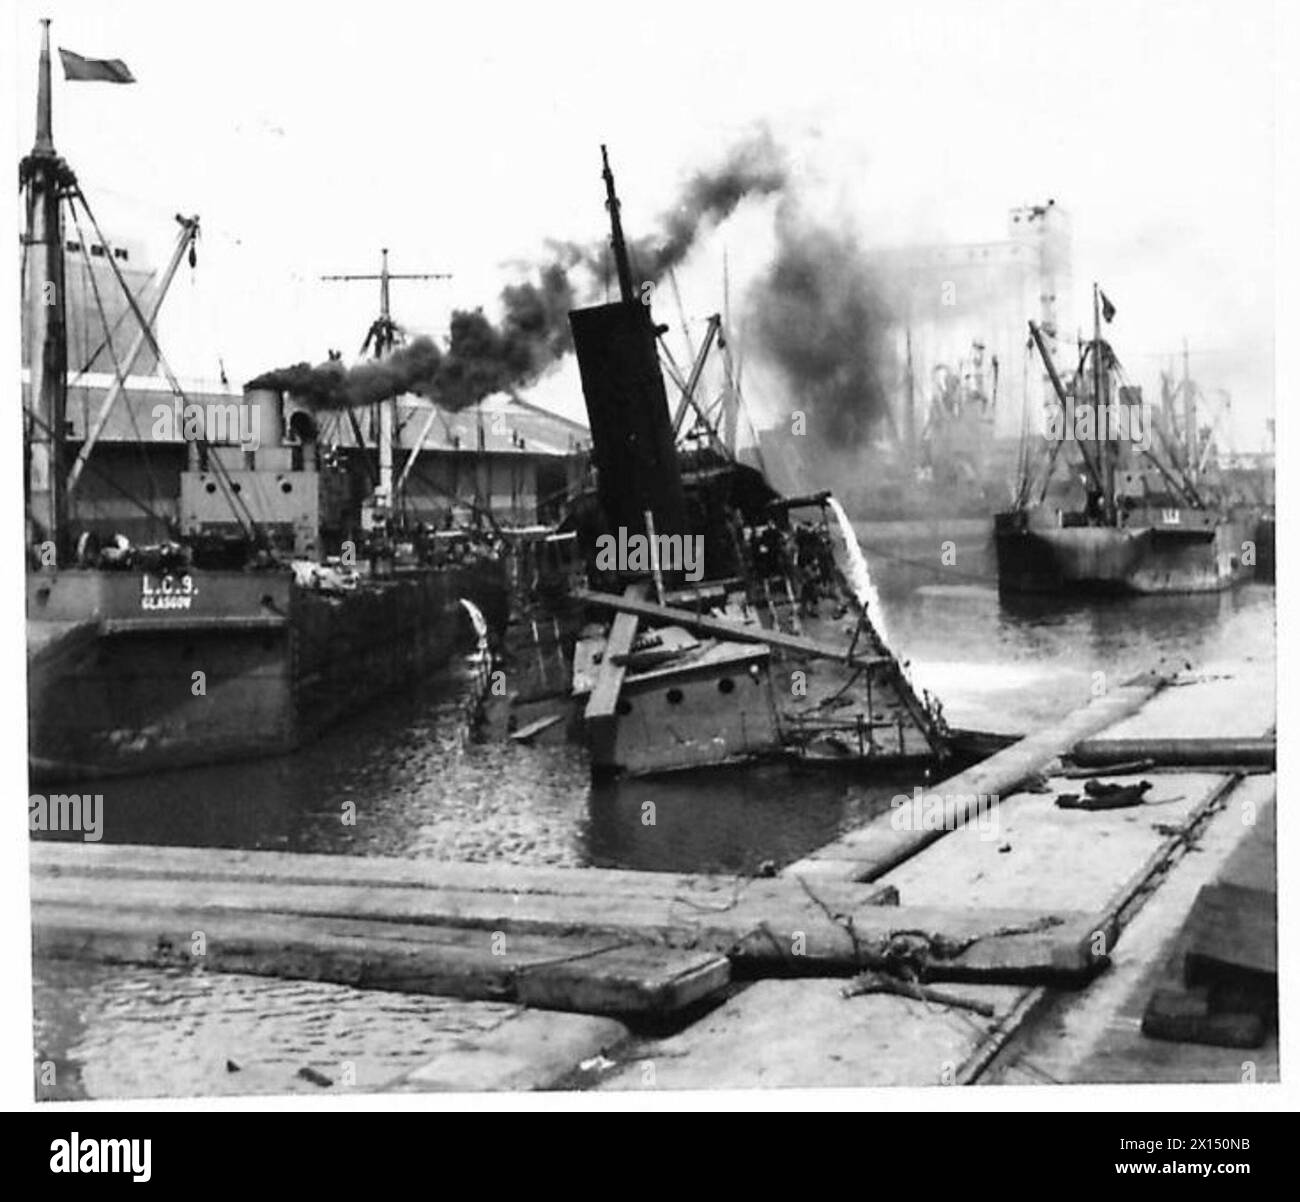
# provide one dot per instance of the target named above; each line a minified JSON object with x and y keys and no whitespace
{"x":267,"y":407}
{"x":632,"y":440}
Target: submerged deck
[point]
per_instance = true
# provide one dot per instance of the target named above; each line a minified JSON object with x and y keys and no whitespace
{"x":1045,"y":931}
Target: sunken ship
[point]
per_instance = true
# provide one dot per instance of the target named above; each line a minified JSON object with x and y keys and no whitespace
{"x":710,"y":619}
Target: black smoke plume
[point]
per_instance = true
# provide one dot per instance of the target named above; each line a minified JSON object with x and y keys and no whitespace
{"x":755,"y":167}
{"x":331,"y":385}
{"x":820,"y":316}
{"x":483,"y":357}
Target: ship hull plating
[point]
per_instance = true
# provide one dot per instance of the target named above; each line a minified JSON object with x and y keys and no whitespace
{"x":1039,"y":556}
{"x":137,"y":672}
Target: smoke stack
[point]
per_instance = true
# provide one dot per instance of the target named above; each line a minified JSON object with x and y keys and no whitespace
{"x":267,"y":406}
{"x":627,"y":408}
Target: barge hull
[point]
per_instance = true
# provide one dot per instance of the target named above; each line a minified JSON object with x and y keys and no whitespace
{"x":254,"y":666}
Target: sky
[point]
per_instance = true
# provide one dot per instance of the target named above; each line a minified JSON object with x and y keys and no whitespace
{"x":462,"y":137}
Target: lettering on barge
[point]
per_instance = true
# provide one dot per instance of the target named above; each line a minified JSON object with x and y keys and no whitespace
{"x":166,"y":591}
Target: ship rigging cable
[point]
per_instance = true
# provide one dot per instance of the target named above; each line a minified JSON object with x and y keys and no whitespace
{"x":121,"y":490}
{"x":119,"y":374}
{"x":110,"y":331}
{"x":243,"y":515}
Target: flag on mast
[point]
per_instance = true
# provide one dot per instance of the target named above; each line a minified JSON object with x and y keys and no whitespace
{"x":1107,"y":309}
{"x":107,"y":70}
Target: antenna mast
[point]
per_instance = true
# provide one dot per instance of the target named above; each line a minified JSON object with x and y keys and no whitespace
{"x":381,"y":338}
{"x":382,"y":335}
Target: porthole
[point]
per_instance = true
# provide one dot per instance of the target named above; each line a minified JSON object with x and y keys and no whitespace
{"x":286,"y":487}
{"x":210,"y":487}
{"x":726,"y":685}
{"x":674,"y":696}
{"x":623,"y":708}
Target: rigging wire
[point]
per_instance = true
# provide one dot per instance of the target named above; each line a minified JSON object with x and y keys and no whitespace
{"x":163,"y":521}
{"x":112,"y":351}
{"x":110,"y":333}
{"x":243,"y":515}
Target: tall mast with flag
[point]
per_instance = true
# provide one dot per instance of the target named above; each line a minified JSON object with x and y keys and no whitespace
{"x":47,"y":180}
{"x":45,"y":177}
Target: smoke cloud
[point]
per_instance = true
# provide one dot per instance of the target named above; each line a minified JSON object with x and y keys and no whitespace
{"x":818,"y":313}
{"x":331,"y":385}
{"x":821,"y":317}
{"x":755,"y":167}
{"x":482,"y":356}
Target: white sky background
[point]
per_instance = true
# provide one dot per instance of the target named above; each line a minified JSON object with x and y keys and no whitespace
{"x":461,"y":137}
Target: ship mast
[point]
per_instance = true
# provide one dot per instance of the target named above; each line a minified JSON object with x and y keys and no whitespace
{"x":1191,"y":451}
{"x":621,"y":264}
{"x":1105,"y":452}
{"x":46,"y":177}
{"x":381,"y":338}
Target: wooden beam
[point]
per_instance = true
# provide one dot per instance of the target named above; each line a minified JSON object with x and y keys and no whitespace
{"x":526,"y":733}
{"x":724,"y":628}
{"x":589,"y":974}
{"x":527,"y":1050}
{"x":613,"y":666}
{"x":772,"y":924}
{"x":1196,"y":752}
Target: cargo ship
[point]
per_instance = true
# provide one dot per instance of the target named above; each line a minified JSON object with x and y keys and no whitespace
{"x":1135,"y":518}
{"x":276,"y":606}
{"x":714,"y":620}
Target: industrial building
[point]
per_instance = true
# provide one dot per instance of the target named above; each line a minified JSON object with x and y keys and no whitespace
{"x":503,"y":456}
{"x":965,"y":308}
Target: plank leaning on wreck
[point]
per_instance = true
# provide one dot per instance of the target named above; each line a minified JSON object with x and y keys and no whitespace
{"x":723,"y":628}
{"x":602,"y":703}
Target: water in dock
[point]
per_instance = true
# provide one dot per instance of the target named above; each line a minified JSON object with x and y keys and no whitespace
{"x":422,"y":788}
